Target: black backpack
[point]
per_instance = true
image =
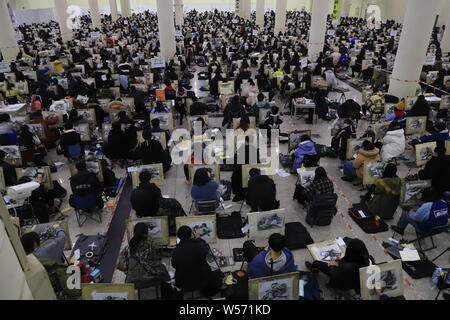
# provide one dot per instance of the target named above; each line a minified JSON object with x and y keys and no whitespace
{"x":172,"y":209}
{"x":297,"y":237}
{"x":322,"y":210}
{"x":229,"y":227}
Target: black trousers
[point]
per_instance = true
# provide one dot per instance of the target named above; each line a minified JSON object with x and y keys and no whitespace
{"x":322,"y":267}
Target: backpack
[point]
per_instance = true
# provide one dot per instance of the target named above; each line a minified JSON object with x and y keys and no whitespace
{"x":311,"y":289}
{"x":368,"y":224}
{"x":322,"y":210}
{"x":91,"y":248}
{"x":229,"y":227}
{"x":297,"y":237}
{"x":172,"y":209}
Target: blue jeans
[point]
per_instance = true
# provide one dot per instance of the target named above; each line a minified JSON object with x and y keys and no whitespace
{"x":349,"y":171}
{"x":405,"y":219}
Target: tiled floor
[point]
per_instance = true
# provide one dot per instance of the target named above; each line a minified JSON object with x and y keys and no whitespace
{"x":341,"y":226}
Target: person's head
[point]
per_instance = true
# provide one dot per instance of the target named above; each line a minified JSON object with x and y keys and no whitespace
{"x":254,"y":172}
{"x":261,"y":97}
{"x":367,"y":145}
{"x":116,"y":127}
{"x":122,"y":115}
{"x":159,"y":107}
{"x":320,"y":174}
{"x":145,"y":176}
{"x":235,"y":100}
{"x":184,"y":233}
{"x":348,"y":122}
{"x":304,"y":138}
{"x":274,"y":110}
{"x":132,"y":88}
{"x":429,"y":195}
{"x":68,"y":126}
{"x":440,"y":150}
{"x":81,"y":165}
{"x":244,"y":123}
{"x":440,"y":126}
{"x":277,"y":242}
{"x":155,"y":123}
{"x":4,"y":117}
{"x":167,"y":82}
{"x":140,"y":233}
{"x":357,"y":253}
{"x":30,"y":242}
{"x":390,"y":171}
{"x":201,"y":177}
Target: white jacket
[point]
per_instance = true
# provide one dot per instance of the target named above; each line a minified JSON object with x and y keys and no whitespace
{"x":393,"y":144}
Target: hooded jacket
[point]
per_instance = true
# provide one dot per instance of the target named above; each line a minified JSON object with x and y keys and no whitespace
{"x":304,"y":148}
{"x":363,"y":157}
{"x":393,"y":144}
{"x":386,"y":197}
{"x":258,"y":267}
{"x":145,"y":200}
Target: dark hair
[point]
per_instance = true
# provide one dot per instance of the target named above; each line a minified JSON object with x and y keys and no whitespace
{"x":155,"y":123}
{"x":367,"y":145}
{"x":441,"y":126}
{"x":304,"y":138}
{"x":277,"y":242}
{"x":274,"y":110}
{"x":254,"y":172}
{"x":145,"y":176}
{"x":201,"y":177}
{"x":80,"y":165}
{"x":2,"y":154}
{"x":261,"y":97}
{"x":348,"y":121}
{"x":357,"y":253}
{"x":68,"y":126}
{"x":184,"y":233}
{"x":320,"y":174}
{"x":140,"y":233}
{"x":440,"y":150}
{"x":122,"y":114}
{"x":429,"y":195}
{"x":244,"y":123}
{"x":235,"y":100}
{"x":167,"y":82}
{"x":390,"y":171}
{"x":28,"y":240}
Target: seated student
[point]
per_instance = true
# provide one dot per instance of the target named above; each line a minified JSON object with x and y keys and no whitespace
{"x":249,"y":92}
{"x":197,"y":108}
{"x":433,"y":213}
{"x":6,"y":126}
{"x":321,"y":107}
{"x":354,"y":169}
{"x":273,"y":122}
{"x":437,"y":169}
{"x":51,"y":134}
{"x":146,"y":198}
{"x":420,"y":109}
{"x":393,"y":142}
{"x":40,"y":200}
{"x":344,"y":273}
{"x":118,"y":146}
{"x":170,"y":91}
{"x":244,"y":125}
{"x":383,"y":197}
{"x":30,"y":144}
{"x":156,"y":128}
{"x":276,"y":260}
{"x":320,"y":185}
{"x":9,"y":172}
{"x":204,"y":188}
{"x":440,"y":135}
{"x":151,"y":152}
{"x":139,"y":99}
{"x":305,"y":147}
{"x":70,"y":138}
{"x":339,"y":141}
{"x":233,"y":110}
{"x":160,"y":108}
{"x":140,"y":260}
{"x":85,"y":183}
{"x":49,"y":257}
{"x":192,"y":271}
{"x":262,"y":192}
{"x":261,"y":103}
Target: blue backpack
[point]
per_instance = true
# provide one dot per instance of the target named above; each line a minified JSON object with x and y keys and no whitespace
{"x":311,"y":289}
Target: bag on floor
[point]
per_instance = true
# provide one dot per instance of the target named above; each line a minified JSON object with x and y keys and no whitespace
{"x":325,"y":151}
{"x":367,"y":221}
{"x":322,"y":210}
{"x":297,"y":237}
{"x":416,"y":269}
{"x":311,"y":289}
{"x":172,"y":209}
{"x":229,"y":227}
{"x":91,"y":248}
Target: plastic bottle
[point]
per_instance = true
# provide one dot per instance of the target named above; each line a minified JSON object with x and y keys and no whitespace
{"x":435,"y":277}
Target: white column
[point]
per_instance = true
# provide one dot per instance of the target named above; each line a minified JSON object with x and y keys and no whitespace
{"x":95,"y":14}
{"x":345,"y":8}
{"x":125,"y":7}
{"x":318,"y":28}
{"x":179,"y":13}
{"x":445,"y":43}
{"x":61,"y":13}
{"x":166,"y":28}
{"x":247,"y":9}
{"x":260,"y":11}
{"x":8,"y":42}
{"x":113,"y":8}
{"x":280,"y":16}
{"x":414,"y":40}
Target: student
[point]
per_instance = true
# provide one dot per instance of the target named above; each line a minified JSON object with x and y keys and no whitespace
{"x":156,"y":128}
{"x":70,"y":138}
{"x":273,"y":122}
{"x":139,"y":99}
{"x":85,"y":183}
{"x":233,"y":110}
{"x":160,"y":108}
{"x":440,"y":135}
{"x":192,"y":271}
{"x":244,"y":124}
{"x":205,"y":188}
{"x":261,"y":103}
{"x":344,"y":273}
{"x":146,"y":198}
{"x":320,"y":185}
{"x":339,"y":142}
{"x":118,"y":143}
{"x":420,"y":109}
{"x":277,"y":259}
{"x":262,"y":192}
{"x":6,"y":126}
{"x":433,"y":213}
{"x":197,"y":108}
{"x":354,"y":169}
{"x":305,"y":147}
{"x":393,"y":143}
{"x":384,"y":197}
{"x":49,"y":257}
{"x":9,"y":172}
{"x":141,"y":261}
{"x":437,"y":169}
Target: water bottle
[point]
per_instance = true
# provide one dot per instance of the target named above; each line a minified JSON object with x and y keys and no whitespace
{"x":435,"y":277}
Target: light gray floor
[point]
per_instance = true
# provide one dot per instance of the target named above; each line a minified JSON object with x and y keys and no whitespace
{"x":342,"y":225}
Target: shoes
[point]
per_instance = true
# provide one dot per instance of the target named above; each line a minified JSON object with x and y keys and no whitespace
{"x":347,"y":179}
{"x":398,"y":230}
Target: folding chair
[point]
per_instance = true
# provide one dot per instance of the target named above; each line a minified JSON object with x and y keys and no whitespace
{"x":203,"y":207}
{"x":86,"y":206}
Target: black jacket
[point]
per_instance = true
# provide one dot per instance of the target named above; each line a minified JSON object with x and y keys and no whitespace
{"x":84,"y":183}
{"x":192,"y":269}
{"x":118,"y":145}
{"x":232,"y":111}
{"x":146,"y":199}
{"x":262,"y":193}
{"x":437,"y":169}
{"x":9,"y":172}
{"x":345,"y":276}
{"x":198,"y":109}
{"x":69,"y":139}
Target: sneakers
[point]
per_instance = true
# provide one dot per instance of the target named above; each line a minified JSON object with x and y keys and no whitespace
{"x":398,"y":230}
